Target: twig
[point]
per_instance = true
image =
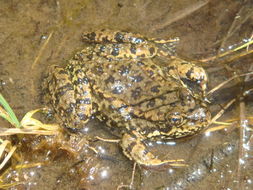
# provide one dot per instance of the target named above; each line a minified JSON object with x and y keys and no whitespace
{"x":219,"y":114}
{"x":243,"y":125}
{"x":41,"y":50}
{"x":227,"y":81}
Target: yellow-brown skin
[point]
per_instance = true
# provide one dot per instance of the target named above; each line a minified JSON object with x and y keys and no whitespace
{"x":116,"y":79}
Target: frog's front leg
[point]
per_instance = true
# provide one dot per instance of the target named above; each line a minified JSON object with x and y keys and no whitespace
{"x":135,"y":149}
{"x":70,"y":96}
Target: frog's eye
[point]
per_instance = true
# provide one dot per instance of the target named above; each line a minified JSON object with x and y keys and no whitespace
{"x":175,"y":118}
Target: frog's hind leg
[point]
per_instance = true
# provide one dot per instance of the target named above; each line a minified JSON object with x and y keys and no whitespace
{"x":70,"y":96}
{"x":135,"y":149}
{"x":82,"y":96}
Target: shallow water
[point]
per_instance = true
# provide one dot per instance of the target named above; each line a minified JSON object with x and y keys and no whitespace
{"x":36,"y":34}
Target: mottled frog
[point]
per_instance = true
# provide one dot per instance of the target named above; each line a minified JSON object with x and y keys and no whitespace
{"x":117,"y":79}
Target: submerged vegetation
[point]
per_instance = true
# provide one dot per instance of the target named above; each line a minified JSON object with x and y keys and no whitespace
{"x":28,"y":125}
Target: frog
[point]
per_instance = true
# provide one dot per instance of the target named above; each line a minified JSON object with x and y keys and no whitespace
{"x":137,"y":98}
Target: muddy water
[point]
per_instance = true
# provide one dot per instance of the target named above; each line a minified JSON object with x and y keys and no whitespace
{"x":36,"y":34}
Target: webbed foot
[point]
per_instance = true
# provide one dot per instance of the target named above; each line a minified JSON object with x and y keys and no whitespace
{"x":135,"y":149}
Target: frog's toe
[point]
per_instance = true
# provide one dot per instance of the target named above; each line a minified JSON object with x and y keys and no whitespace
{"x":136,"y":150}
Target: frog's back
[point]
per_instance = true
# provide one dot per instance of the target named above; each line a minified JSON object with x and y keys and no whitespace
{"x":131,"y":81}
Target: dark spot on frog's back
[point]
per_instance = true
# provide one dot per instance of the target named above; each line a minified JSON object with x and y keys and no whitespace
{"x":136,"y":93}
{"x":78,"y":71}
{"x":119,"y":37}
{"x":81,"y":81}
{"x":115,"y":51}
{"x":83,"y":101}
{"x":139,"y":63}
{"x":124,"y":70}
{"x":170,"y":68}
{"x":133,"y":49}
{"x":62,"y":90}
{"x":151,"y":103}
{"x":151,"y":50}
{"x":98,"y":70}
{"x":102,"y":48}
{"x":155,"y":89}
{"x":63,"y":72}
{"x":162,"y":98}
{"x":150,"y":73}
{"x":70,"y":68}
{"x":82,"y":116}
{"x":91,"y":36}
{"x":70,"y":109}
{"x":110,"y":79}
{"x":137,"y":78}
{"x":105,"y":39}
{"x":118,"y":90}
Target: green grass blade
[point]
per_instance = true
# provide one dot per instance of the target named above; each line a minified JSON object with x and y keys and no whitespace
{"x":12,"y":115}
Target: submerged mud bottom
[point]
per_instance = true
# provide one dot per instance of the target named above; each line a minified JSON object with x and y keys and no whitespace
{"x":207,"y":165}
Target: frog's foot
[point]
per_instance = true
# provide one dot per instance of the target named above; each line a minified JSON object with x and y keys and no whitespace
{"x":109,"y":36}
{"x":134,"y":148}
{"x":192,"y":76}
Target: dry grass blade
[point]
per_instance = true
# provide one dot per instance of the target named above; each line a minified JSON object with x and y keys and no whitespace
{"x":4,"y":149}
{"x":8,"y":131}
{"x":108,"y":140}
{"x":216,"y":128}
{"x":4,"y":114}
{"x":41,"y":50}
{"x":3,"y":146}
{"x":33,"y":124}
{"x":227,"y":81}
{"x":219,"y":114}
{"x":251,"y":39}
{"x":7,"y":186}
{"x":235,"y":57}
{"x":246,"y":45}
{"x":6,"y":159}
{"x":30,"y":165}
{"x":241,"y":17}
